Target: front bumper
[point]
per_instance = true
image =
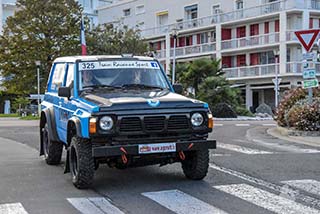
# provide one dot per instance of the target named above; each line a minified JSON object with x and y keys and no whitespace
{"x":132,"y":149}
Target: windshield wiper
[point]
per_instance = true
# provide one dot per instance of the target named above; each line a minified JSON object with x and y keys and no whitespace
{"x":93,"y":87}
{"x":141,"y":86}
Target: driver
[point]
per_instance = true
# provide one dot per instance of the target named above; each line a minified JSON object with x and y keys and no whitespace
{"x":88,"y":79}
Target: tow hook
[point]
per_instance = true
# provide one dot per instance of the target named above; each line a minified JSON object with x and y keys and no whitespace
{"x":123,"y":156}
{"x":182,"y":155}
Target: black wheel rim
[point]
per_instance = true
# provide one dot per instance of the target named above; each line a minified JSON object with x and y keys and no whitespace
{"x":45,"y":142}
{"x":73,"y":162}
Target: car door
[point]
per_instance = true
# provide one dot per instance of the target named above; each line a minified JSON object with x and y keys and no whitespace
{"x":67,"y":106}
{"x":58,"y":80}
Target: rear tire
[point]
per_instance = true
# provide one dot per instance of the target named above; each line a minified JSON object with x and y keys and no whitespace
{"x":52,"y":150}
{"x":81,"y":162}
{"x":196,"y":164}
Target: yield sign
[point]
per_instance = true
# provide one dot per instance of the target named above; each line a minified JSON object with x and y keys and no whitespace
{"x":307,"y":38}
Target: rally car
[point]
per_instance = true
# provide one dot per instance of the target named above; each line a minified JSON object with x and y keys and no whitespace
{"x":121,"y":111}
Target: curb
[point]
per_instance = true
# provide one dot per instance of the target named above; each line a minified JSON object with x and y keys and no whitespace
{"x":243,"y":119}
{"x":283,"y":134}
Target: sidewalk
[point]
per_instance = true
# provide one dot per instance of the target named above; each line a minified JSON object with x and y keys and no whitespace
{"x":282,"y":133}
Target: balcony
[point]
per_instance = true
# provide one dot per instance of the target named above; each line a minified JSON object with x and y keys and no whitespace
{"x":315,"y":4}
{"x":250,"y":71}
{"x":297,"y":67}
{"x":264,"y":39}
{"x":251,"y":12}
{"x":188,"y":51}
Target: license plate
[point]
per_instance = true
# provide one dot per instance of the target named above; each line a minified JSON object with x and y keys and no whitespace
{"x":157,"y":148}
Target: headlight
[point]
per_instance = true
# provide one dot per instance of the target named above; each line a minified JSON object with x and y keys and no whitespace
{"x":197,"y":119}
{"x":106,"y":123}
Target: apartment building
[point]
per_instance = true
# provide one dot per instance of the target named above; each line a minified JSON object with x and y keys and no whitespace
{"x":253,"y":38}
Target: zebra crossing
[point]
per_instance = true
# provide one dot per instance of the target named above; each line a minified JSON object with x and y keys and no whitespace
{"x":268,"y":148}
{"x":180,"y":202}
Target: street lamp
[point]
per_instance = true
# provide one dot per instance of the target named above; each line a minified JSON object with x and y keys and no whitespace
{"x":276,"y":53}
{"x":175,"y":35}
{"x":38,"y":63}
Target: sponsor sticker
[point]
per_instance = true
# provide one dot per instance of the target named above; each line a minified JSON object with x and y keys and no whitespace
{"x":157,"y":148}
{"x":117,"y":64}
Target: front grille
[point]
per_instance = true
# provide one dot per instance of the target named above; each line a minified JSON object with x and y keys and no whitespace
{"x":151,"y":124}
{"x":178,"y":122}
{"x":154,"y":123}
{"x":130,"y":124}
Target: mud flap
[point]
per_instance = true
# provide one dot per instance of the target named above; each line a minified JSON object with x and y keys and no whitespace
{"x":41,"y":143}
{"x":67,"y":166}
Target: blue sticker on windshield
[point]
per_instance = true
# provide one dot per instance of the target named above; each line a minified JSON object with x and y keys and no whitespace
{"x":154,"y":64}
{"x":154,"y":103}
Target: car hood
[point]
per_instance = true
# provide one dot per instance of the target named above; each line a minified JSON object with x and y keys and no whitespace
{"x":130,"y":100}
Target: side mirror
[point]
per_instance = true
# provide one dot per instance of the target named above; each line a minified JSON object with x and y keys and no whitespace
{"x":64,"y":92}
{"x":178,"y":88}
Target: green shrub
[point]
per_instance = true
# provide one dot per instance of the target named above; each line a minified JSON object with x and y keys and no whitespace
{"x":242,"y":111}
{"x":223,"y":110}
{"x":289,"y":100}
{"x":308,"y":117}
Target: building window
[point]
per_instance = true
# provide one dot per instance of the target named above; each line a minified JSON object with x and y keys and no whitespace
{"x":162,"y":18}
{"x":140,"y":9}
{"x":239,"y":4}
{"x":191,"y":12}
{"x":215,"y":9}
{"x":127,"y":12}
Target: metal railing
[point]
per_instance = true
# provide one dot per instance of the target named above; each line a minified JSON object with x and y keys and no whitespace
{"x":250,"y":41}
{"x":315,"y":4}
{"x":297,"y":67}
{"x":260,"y":10}
{"x":251,"y":71}
{"x":188,"y":50}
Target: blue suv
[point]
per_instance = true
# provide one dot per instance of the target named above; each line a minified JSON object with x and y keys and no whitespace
{"x":121,"y":111}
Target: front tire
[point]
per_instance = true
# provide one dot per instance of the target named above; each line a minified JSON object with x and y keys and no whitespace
{"x":52,"y":150}
{"x":196,"y":164}
{"x":81,"y":162}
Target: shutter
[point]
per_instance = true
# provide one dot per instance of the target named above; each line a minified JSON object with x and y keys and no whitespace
{"x":266,"y":27}
{"x":254,"y":29}
{"x":241,"y":32}
{"x":226,"y":61}
{"x":241,"y":60}
{"x":254,"y":59}
{"x":226,"y":34}
{"x":311,"y":23}
{"x":276,"y":26}
{"x":198,"y":38}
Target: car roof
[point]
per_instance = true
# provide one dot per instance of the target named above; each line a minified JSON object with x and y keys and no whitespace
{"x":99,"y":57}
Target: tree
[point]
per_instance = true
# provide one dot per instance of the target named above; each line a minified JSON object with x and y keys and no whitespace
{"x":39,"y":30}
{"x":107,"y":39}
{"x":198,"y":71}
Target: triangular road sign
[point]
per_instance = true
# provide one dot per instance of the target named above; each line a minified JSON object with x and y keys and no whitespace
{"x":307,"y":38}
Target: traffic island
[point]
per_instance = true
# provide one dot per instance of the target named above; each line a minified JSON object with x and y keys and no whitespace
{"x":311,"y":138}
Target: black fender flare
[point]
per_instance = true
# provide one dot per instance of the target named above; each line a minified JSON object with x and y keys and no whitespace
{"x":47,"y":116}
{"x":73,"y":128}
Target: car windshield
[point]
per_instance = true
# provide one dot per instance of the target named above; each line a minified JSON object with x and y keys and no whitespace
{"x":121,"y":74}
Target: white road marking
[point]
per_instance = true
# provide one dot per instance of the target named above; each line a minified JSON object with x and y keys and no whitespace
{"x":14,"y":208}
{"x":288,"y":148}
{"x":241,"y":149}
{"x":181,"y":203}
{"x":242,"y":124}
{"x":311,"y":186}
{"x":271,"y":124}
{"x":97,"y":205}
{"x":307,"y":199}
{"x":267,"y":200}
{"x":218,"y":124}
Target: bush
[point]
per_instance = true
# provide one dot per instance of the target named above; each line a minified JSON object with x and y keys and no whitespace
{"x":289,"y":100}
{"x":223,"y":110}
{"x":308,"y":117}
{"x":242,"y":111}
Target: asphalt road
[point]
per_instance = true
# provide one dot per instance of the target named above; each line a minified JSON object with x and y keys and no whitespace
{"x":250,"y":172}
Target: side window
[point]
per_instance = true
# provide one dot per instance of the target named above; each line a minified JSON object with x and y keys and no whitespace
{"x":58,"y":77}
{"x":69,"y":82}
